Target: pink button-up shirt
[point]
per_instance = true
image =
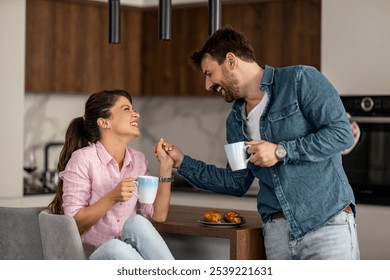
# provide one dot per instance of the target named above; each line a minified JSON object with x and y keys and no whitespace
{"x":91,"y":173}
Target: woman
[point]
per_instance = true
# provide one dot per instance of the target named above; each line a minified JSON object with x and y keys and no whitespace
{"x":98,"y":175}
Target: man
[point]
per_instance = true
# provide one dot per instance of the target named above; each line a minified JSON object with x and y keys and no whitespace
{"x":296,"y":126}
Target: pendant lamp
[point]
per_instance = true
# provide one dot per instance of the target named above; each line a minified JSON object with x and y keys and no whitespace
{"x":164,"y":19}
{"x":215,"y":15}
{"x":114,"y":21}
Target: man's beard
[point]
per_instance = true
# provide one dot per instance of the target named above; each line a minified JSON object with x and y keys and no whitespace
{"x":231,"y":91}
{"x":230,"y":88}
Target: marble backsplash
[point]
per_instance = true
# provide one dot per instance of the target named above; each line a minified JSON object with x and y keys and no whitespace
{"x":195,"y":124}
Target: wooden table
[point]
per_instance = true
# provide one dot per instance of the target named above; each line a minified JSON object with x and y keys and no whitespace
{"x":246,"y":241}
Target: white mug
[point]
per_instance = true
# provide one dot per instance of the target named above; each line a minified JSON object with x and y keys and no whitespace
{"x":147,"y":188}
{"x":237,"y":155}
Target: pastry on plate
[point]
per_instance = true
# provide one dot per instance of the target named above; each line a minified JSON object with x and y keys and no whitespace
{"x":232,"y":217}
{"x":212,"y":216}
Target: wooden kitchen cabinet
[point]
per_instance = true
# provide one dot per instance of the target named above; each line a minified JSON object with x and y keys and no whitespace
{"x":282,"y":33}
{"x":67,"y":46}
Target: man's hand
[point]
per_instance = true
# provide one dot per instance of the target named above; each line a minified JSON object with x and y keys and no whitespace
{"x":174,"y":152}
{"x":262,"y":153}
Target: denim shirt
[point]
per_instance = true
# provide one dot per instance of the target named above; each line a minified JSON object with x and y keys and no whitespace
{"x":305,"y":114}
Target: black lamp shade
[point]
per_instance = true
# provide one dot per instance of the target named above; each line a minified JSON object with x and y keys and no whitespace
{"x":215,"y":15}
{"x":114,"y":21}
{"x":164,"y":19}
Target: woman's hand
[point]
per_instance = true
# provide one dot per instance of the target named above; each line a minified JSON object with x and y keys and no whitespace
{"x":162,"y":155}
{"x":124,"y":190}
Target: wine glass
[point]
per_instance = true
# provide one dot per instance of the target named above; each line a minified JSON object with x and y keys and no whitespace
{"x":30,"y":164}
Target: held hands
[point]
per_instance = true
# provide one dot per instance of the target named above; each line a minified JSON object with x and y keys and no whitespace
{"x":161,"y":154}
{"x":262,"y":153}
{"x":174,"y":153}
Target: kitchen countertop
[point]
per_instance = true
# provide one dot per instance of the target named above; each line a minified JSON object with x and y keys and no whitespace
{"x":36,"y":189}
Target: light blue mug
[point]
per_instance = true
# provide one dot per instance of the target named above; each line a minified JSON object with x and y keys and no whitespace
{"x":147,"y":188}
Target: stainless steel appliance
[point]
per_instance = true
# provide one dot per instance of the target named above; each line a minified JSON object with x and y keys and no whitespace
{"x":368,"y":164}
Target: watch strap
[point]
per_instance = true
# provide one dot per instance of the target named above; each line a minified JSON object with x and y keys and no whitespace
{"x":166,"y":179}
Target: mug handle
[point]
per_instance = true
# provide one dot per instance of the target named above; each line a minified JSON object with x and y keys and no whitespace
{"x":246,"y":148}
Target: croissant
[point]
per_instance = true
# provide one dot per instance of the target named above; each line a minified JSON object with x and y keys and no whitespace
{"x":232,"y":217}
{"x":212,"y":216}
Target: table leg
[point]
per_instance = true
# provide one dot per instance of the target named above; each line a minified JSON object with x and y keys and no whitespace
{"x":247,"y":245}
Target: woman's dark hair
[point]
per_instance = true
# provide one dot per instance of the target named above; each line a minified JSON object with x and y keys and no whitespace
{"x":83,"y":131}
{"x":220,"y":43}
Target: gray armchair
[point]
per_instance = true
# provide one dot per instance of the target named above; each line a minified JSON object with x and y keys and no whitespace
{"x":60,"y":237}
{"x":20,"y":236}
{"x":28,"y":234}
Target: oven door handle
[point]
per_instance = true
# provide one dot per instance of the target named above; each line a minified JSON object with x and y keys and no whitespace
{"x":360,"y":119}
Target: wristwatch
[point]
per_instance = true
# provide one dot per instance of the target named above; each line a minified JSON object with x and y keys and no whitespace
{"x":166,"y":179}
{"x":280,"y":152}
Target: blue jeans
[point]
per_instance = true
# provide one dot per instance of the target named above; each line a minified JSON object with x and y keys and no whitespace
{"x":140,"y":241}
{"x":337,"y":240}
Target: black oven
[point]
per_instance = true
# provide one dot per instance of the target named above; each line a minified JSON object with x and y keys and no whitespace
{"x":368,"y":164}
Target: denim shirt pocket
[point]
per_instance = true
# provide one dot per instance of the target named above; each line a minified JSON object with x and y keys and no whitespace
{"x":283,"y":113}
{"x":286,"y":123}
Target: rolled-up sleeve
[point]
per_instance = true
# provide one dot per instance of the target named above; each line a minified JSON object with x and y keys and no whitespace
{"x":76,"y":184}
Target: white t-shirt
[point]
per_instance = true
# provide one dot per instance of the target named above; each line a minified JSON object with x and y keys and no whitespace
{"x":252,"y":120}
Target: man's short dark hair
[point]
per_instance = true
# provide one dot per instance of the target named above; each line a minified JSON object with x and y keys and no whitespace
{"x":220,"y":43}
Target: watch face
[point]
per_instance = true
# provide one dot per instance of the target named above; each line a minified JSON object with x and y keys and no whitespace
{"x":280,"y":152}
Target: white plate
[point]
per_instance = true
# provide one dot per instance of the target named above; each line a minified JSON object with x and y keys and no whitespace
{"x":221,"y":224}
{"x":356,"y":137}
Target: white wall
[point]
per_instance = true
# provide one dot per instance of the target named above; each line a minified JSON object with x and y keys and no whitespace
{"x":355,"y":45}
{"x":12,"y":44}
